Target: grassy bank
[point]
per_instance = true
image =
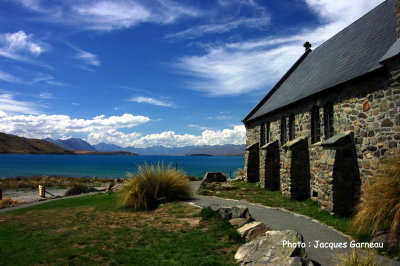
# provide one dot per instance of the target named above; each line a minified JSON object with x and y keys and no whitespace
{"x":51,"y":181}
{"x":92,"y":230}
{"x":254,"y":193}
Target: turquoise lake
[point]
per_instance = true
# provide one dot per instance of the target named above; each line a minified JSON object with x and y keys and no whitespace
{"x":111,"y":165}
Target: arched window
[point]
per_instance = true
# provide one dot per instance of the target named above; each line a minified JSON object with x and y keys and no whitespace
{"x":268,"y":131}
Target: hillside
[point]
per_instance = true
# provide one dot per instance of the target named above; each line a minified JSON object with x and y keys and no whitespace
{"x":14,"y":144}
{"x":74,"y":144}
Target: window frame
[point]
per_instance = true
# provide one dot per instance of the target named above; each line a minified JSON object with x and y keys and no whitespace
{"x":329,"y":129}
{"x":292,"y":128}
{"x":268,"y":132}
{"x":262,"y":134}
{"x":315,"y":125}
{"x":283,"y":130}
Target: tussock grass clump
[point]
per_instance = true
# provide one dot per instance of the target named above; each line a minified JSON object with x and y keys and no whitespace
{"x":240,"y":173}
{"x":77,"y":189}
{"x":379,"y":208}
{"x":8,"y":202}
{"x":355,"y":258}
{"x":153,"y":182}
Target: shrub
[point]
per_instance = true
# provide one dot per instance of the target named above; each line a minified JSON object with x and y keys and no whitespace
{"x":354,"y":258}
{"x":77,"y":189}
{"x":152,"y":182}
{"x":208,"y":213}
{"x":379,"y":208}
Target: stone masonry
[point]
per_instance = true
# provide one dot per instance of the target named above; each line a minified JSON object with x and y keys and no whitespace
{"x":368,"y":108}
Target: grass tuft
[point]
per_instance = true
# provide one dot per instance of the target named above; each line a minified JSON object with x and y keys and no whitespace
{"x":6,"y":202}
{"x":152,"y":182}
{"x":354,"y":258}
{"x":207,"y":213}
{"x":240,"y":173}
{"x":379,"y":208}
{"x":77,"y":189}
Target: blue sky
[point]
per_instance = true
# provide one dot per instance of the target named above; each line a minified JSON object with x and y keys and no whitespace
{"x":151,"y":72}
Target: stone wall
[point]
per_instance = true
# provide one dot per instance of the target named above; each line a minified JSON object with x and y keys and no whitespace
{"x":295,"y":169}
{"x":368,"y":107}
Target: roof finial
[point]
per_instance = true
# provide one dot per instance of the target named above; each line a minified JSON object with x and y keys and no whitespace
{"x":307,"y":45}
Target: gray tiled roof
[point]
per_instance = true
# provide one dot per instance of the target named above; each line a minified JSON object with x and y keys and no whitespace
{"x":353,"y":52}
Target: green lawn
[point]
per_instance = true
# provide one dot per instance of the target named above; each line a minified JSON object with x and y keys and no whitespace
{"x":254,"y":193}
{"x":93,"y":230}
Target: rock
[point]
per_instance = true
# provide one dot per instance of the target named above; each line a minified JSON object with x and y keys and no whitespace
{"x":163,"y":200}
{"x":212,"y":186}
{"x":118,"y":187}
{"x":382,"y":237}
{"x":253,"y":230}
{"x":225,"y":213}
{"x":366,"y":106}
{"x":215,"y":207}
{"x":386,"y":123}
{"x":272,"y":250}
{"x":110,"y":186}
{"x":240,"y":211}
{"x":226,"y":186}
{"x":239,"y":222}
{"x":211,"y":177}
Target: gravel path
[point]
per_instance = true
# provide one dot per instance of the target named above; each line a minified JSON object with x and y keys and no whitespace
{"x":311,"y":230}
{"x":31,"y":195}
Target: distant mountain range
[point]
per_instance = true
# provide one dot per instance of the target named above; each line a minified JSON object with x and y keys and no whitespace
{"x":14,"y":144}
{"x":74,"y":144}
{"x":11,"y":144}
{"x":215,"y":150}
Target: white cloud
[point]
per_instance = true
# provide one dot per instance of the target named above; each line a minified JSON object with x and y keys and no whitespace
{"x":20,"y":41}
{"x":18,"y":44}
{"x":200,"y":30}
{"x":225,"y":72}
{"x":198,"y":127}
{"x":88,"y":58}
{"x":236,"y":135}
{"x":252,"y":65}
{"x":149,"y":100}
{"x":348,"y":11}
{"x":109,"y":15}
{"x":12,"y":106}
{"x":112,"y":136}
{"x":106,"y":15}
{"x":9,"y":78}
{"x":41,"y":126}
{"x":45,"y":95}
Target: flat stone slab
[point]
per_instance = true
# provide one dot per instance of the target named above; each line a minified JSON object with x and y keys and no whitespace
{"x":238,"y":222}
{"x":272,"y":250}
{"x":253,"y":230}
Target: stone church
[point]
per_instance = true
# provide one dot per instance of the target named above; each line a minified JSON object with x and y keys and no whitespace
{"x":319,"y":132}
